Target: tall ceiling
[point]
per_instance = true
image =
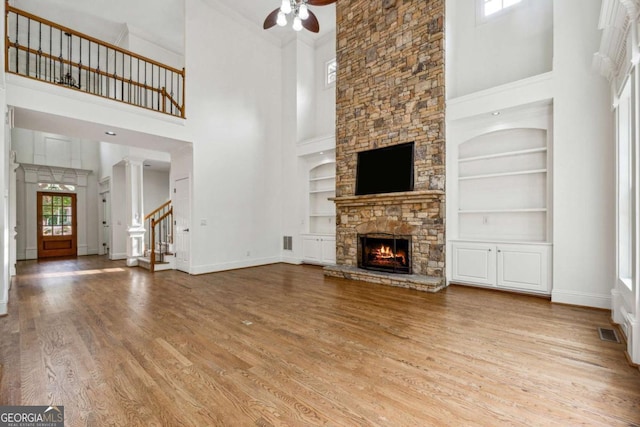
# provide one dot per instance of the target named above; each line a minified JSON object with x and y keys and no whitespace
{"x":160,"y":20}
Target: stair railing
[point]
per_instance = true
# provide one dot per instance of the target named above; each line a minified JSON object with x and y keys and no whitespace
{"x":43,"y":50}
{"x":159,"y":236}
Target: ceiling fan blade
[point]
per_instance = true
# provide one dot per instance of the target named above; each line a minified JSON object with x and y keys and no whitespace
{"x":311,"y":23}
{"x":320,"y":2}
{"x":271,"y":20}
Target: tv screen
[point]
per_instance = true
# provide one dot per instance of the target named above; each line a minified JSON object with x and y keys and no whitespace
{"x":385,"y":170}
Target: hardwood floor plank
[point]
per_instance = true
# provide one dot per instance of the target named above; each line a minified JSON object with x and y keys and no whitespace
{"x":282,"y":345}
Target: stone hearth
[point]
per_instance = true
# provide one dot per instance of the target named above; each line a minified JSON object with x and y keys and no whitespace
{"x":416,"y":213}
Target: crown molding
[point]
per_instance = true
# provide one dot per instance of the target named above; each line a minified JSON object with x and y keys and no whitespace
{"x":616,"y":19}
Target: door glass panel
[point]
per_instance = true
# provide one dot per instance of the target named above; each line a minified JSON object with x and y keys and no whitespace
{"x":57,"y":215}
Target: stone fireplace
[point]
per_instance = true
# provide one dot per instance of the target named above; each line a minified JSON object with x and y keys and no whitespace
{"x":390,"y":91}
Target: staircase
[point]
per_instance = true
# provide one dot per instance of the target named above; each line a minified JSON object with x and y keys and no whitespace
{"x":158,"y":254}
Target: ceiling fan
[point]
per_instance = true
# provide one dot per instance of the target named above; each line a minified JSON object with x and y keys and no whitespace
{"x":302,"y":16}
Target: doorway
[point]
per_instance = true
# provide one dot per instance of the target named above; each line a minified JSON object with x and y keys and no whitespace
{"x":57,"y":225}
{"x":182,"y":215}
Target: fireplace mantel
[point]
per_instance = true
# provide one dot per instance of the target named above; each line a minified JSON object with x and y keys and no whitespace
{"x":401,"y":197}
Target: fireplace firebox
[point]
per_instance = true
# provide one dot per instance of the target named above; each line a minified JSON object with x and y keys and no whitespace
{"x":385,"y":252}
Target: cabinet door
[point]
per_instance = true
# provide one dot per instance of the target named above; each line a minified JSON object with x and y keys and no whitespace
{"x":474,"y":263}
{"x":524,"y":267}
{"x":311,"y":249}
{"x":328,"y":250}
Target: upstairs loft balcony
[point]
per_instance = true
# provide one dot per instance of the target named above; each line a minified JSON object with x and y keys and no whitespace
{"x":43,"y":50}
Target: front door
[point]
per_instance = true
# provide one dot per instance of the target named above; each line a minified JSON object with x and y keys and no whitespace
{"x":57,"y":224}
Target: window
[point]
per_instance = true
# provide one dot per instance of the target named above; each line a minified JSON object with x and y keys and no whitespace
{"x":331,"y":72}
{"x":490,"y":7}
{"x":56,"y":187}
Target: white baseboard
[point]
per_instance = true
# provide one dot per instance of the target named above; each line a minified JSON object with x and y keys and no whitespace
{"x":212,"y":268}
{"x":31,"y":253}
{"x":82,"y":250}
{"x":581,"y":298}
{"x":116,"y":256}
{"x":4,"y":308}
{"x":291,"y":260}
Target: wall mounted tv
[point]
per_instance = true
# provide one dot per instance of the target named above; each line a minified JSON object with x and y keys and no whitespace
{"x":385,"y":170}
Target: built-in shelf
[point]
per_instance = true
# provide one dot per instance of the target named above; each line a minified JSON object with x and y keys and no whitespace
{"x":321,"y":190}
{"x":322,"y":178}
{"x":501,"y":174}
{"x":482,"y":211}
{"x":505,"y":154}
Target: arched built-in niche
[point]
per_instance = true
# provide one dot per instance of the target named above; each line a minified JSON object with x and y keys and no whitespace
{"x":503,"y":188}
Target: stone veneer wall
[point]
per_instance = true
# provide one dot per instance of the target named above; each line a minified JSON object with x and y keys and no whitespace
{"x":390,"y":90}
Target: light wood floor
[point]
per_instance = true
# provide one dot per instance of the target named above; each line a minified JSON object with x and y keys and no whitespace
{"x":120,"y":346}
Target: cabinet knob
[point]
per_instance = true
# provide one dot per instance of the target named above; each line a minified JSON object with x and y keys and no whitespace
{"x":489,"y":250}
{"x":499,"y":250}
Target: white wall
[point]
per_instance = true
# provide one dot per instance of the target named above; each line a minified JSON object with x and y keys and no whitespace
{"x":4,"y":209}
{"x":480,"y":55}
{"x":234,"y":116}
{"x":584,"y":188}
{"x":293,"y":197}
{"x":142,"y":44}
{"x":325,"y":50}
{"x":305,"y":91}
{"x":156,"y":189}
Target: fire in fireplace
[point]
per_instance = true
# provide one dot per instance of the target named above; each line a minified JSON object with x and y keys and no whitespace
{"x":385,"y":252}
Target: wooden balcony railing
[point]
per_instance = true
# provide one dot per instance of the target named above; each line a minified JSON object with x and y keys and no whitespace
{"x":45,"y":51}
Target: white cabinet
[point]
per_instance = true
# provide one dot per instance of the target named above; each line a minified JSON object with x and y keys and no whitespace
{"x":319,"y":249}
{"x":474,"y":263}
{"x":521,"y":267}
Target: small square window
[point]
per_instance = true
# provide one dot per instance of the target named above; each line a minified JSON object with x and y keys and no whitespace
{"x":331,"y":72}
{"x":490,"y":7}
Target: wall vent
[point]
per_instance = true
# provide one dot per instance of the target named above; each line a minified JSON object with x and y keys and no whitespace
{"x":287,"y":243}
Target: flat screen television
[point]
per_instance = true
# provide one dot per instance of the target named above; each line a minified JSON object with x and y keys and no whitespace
{"x":385,"y":170}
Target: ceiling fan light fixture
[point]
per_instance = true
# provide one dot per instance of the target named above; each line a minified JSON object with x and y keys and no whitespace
{"x":285,"y":7}
{"x":297,"y":23}
{"x":282,"y":19}
{"x":303,"y":11}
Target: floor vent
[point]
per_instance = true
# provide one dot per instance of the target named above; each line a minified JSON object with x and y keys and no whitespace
{"x":607,"y":334}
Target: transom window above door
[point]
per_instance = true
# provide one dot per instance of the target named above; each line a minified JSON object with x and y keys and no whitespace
{"x":46,"y":186}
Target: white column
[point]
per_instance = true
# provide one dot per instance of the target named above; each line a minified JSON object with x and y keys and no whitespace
{"x":5,"y":278}
{"x":135,"y":206}
{"x":81,"y":182}
{"x":13,"y":233}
